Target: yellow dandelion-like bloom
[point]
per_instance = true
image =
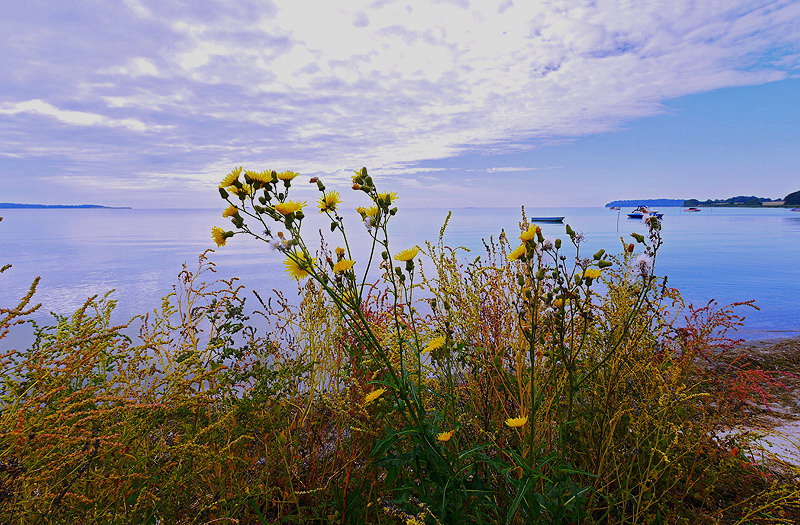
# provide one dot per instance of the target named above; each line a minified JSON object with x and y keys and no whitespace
{"x":592,"y":273}
{"x":558,"y":303}
{"x":407,"y":255}
{"x":343,"y":265}
{"x":261,"y":176}
{"x":219,"y":235}
{"x":240,"y":191}
{"x":230,"y":211}
{"x":372,"y":211}
{"x":230,"y":178}
{"x":391,"y":195}
{"x":435,"y":344}
{"x":445,"y":436}
{"x":529,"y":234}
{"x":298,"y":265}
{"x":287,"y":175}
{"x":518,"y":252}
{"x":285,"y":208}
{"x":516,"y":422}
{"x":375,"y":394}
{"x":329,"y":201}
{"x":339,"y":251}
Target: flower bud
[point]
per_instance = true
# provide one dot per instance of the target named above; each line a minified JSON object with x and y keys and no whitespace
{"x":223,"y":193}
{"x":558,"y":244}
{"x":356,"y":186}
{"x":299,"y":215}
{"x":639,"y":238}
{"x":312,"y":180}
{"x":410,"y":265}
{"x":334,"y":226}
{"x":320,"y":186}
{"x":385,"y":255}
{"x":599,"y":255}
{"x":393,"y":211}
{"x":521,"y":280}
{"x":604,"y":264}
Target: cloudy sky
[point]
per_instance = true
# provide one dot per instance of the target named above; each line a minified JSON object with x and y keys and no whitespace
{"x":149,"y":103}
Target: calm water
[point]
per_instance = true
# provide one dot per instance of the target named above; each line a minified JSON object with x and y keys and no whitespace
{"x":724,"y":254}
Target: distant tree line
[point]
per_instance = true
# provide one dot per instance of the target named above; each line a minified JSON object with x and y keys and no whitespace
{"x":793,"y":199}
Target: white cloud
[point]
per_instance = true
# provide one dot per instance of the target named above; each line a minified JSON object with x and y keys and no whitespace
{"x":74,"y":118}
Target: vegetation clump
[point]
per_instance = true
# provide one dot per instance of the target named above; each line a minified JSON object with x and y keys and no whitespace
{"x":532,"y":384}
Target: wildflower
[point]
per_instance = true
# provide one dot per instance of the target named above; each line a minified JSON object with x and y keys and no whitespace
{"x":372,"y":396}
{"x":343,"y":265}
{"x":230,"y":178}
{"x":643,"y":264}
{"x":408,"y":254}
{"x":339,"y":252}
{"x":445,"y":436}
{"x":287,"y":175}
{"x":219,"y":235}
{"x":277,"y":244}
{"x":261,"y":176}
{"x":230,"y":211}
{"x":558,"y":303}
{"x":435,"y":344}
{"x":329,"y":201}
{"x":547,"y":245}
{"x":529,"y":234}
{"x":241,"y":191}
{"x":518,"y":252}
{"x":298,"y":265}
{"x":391,"y":196}
{"x":591,"y":273}
{"x":372,"y":211}
{"x":516,"y":422}
{"x":285,"y":208}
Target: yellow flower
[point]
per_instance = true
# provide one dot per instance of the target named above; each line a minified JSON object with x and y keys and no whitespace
{"x":407,"y":255}
{"x":372,"y":396}
{"x":261,"y":176}
{"x":435,"y":344}
{"x":329,"y":201}
{"x":516,"y":422}
{"x":287,"y":175}
{"x":390,"y":195}
{"x":219,"y":235}
{"x":518,"y":252}
{"x":285,"y":208}
{"x":298,"y":265}
{"x":240,"y":191}
{"x":343,"y":265}
{"x":230,"y":178}
{"x":591,"y":273}
{"x":339,"y":252}
{"x":529,"y":234}
{"x":372,"y":211}
{"x":558,"y":303}
{"x":445,"y":436}
{"x":230,"y":211}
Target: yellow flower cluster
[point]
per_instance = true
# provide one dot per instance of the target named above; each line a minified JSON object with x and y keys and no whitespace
{"x":530,"y":233}
{"x":435,"y":344}
{"x":592,"y":273}
{"x":298,"y":265}
{"x":518,"y":252}
{"x":343,"y":265}
{"x":516,"y":422}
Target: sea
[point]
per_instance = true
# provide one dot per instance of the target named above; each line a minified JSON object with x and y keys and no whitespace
{"x":723,"y":254}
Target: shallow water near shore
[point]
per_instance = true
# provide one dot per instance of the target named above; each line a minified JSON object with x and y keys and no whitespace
{"x":725,"y":254}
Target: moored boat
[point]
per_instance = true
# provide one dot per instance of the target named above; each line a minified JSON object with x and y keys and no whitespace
{"x":640,"y":211}
{"x":692,"y":209}
{"x":547,"y":219}
{"x":795,"y":209}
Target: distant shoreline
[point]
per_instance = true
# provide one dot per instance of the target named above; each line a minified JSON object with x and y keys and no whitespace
{"x":16,"y":206}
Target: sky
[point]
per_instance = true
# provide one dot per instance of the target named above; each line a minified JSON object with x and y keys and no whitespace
{"x":450,"y":103}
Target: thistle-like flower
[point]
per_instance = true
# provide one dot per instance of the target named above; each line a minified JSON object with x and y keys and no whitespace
{"x":529,"y":234}
{"x":329,"y":201}
{"x":343,"y":265}
{"x":372,"y":396}
{"x":408,"y":254}
{"x":518,"y":252}
{"x":445,"y":436}
{"x":230,"y":211}
{"x":592,"y":273}
{"x":219,"y":235}
{"x":230,"y":178}
{"x":298,"y":265}
{"x":434,"y":344}
{"x":285,"y":208}
{"x":287,"y":175}
{"x":516,"y":422}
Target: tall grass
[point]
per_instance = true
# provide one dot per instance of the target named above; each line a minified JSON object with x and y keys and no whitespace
{"x":534,"y":384}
